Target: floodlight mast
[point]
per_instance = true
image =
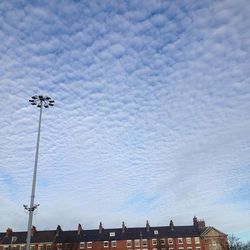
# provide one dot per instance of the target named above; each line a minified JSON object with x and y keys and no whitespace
{"x":39,"y":101}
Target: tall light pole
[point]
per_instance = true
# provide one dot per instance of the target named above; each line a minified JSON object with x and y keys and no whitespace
{"x":40,"y":102}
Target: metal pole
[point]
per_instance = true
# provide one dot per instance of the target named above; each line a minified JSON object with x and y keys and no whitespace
{"x":32,"y":207}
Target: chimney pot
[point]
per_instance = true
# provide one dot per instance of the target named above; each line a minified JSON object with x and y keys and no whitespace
{"x":79,"y":230}
{"x":123,"y":227}
{"x":171,"y":225}
{"x":100,"y":228}
{"x":147,"y":226}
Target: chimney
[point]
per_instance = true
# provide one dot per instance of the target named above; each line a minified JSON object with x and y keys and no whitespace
{"x":123,"y":227}
{"x":201,"y":223}
{"x":8,"y":232}
{"x":100,"y":228}
{"x":195,"y":221}
{"x":79,"y":230}
{"x":58,"y":230}
{"x":33,"y":230}
{"x":171,"y":225}
{"x":147,"y":226}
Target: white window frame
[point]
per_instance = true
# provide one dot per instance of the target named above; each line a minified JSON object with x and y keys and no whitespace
{"x":40,"y":247}
{"x":162,"y":241}
{"x":82,"y":245}
{"x":129,"y":243}
{"x":59,"y":246}
{"x":189,"y":248}
{"x":181,"y":248}
{"x":197,"y":240}
{"x":171,"y":248}
{"x":154,"y":242}
{"x":156,"y":232}
{"x":48,"y":246}
{"x":170,"y":241}
{"x":89,"y":244}
{"x":144,"y":241}
{"x":180,"y":241}
{"x":112,"y":234}
{"x":188,"y":240}
{"x":105,"y":244}
{"x":136,"y":243}
{"x":32,"y":247}
{"x":22,"y":247}
{"x":113,"y":243}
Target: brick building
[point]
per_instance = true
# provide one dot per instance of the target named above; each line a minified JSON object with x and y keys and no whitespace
{"x":193,"y":237}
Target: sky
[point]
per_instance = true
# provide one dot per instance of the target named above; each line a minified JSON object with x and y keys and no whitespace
{"x":151,"y":118}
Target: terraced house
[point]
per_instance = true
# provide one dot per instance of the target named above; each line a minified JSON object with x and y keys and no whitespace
{"x":193,"y":237}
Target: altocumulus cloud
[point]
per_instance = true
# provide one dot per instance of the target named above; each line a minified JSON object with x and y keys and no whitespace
{"x":151,"y":119}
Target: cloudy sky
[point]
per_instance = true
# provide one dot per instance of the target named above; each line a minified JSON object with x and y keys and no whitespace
{"x":152,"y":117}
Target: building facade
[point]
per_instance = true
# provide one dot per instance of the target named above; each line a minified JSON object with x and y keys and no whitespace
{"x":193,"y":237}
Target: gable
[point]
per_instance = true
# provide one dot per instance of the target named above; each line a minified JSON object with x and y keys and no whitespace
{"x":212,"y":232}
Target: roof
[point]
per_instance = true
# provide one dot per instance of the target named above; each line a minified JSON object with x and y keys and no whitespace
{"x":93,"y":235}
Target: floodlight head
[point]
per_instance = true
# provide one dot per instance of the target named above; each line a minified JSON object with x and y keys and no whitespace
{"x":41,"y":101}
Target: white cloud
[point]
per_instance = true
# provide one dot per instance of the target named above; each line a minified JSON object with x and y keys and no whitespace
{"x":151,"y":113}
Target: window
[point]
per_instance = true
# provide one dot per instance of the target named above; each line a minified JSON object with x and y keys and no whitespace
{"x":59,"y":246}
{"x":156,"y":232}
{"x":89,"y":244}
{"x":82,"y":245}
{"x":181,"y":248}
{"x":40,"y":247}
{"x":197,"y":240}
{"x":112,"y":234}
{"x":170,"y":241}
{"x":189,"y":248}
{"x":67,"y":246}
{"x":180,"y":241}
{"x":137,"y":243}
{"x":13,"y":247}
{"x":32,"y":247}
{"x":163,"y":248}
{"x":188,"y":240}
{"x":144,"y":242}
{"x":113,"y":243}
{"x":48,"y":247}
{"x":171,"y":248}
{"x":6,"y":247}
{"x":162,"y":241}
{"x":22,"y":247}
{"x":154,"y":242}
{"x":129,"y":243}
{"x":197,"y":248}
{"x":154,"y":249}
{"x":106,"y":244}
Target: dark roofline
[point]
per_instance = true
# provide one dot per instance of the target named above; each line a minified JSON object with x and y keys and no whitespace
{"x":131,"y":233}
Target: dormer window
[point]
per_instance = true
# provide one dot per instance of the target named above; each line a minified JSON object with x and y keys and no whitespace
{"x":112,"y":234}
{"x":156,"y":232}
